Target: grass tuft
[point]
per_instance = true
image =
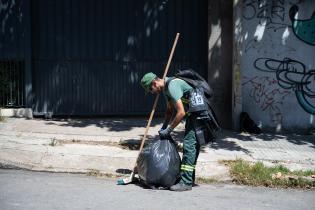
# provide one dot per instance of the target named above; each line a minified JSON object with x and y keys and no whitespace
{"x":203,"y":180}
{"x":98,"y":174}
{"x":257,"y":174}
{"x":2,"y":118}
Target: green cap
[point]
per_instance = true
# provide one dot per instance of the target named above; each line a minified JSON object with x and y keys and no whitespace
{"x":147,"y":80}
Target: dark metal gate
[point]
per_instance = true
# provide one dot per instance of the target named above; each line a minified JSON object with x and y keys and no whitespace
{"x":12,"y":53}
{"x":11,"y":84}
{"x":88,"y":56}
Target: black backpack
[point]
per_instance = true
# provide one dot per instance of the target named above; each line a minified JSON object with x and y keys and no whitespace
{"x":248,"y":125}
{"x":195,"y":80}
{"x":209,"y":121}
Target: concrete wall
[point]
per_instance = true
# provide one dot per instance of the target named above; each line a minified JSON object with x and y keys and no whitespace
{"x":220,"y":41}
{"x":18,"y":112}
{"x":278,"y":62}
{"x":236,"y":69}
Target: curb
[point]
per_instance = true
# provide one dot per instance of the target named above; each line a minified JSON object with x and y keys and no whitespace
{"x":58,"y":162}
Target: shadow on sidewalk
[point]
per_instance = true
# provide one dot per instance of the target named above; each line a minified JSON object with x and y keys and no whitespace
{"x":293,"y":138}
{"x":112,"y":123}
{"x":221,"y":142}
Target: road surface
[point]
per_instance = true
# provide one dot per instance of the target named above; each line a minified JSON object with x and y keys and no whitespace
{"x":44,"y":191}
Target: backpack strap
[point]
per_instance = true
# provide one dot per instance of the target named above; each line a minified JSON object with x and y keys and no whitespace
{"x":168,"y":81}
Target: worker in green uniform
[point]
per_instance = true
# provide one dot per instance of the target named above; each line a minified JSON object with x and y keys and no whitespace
{"x":176,"y":91}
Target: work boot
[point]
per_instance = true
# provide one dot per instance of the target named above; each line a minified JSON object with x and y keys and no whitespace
{"x":179,"y":187}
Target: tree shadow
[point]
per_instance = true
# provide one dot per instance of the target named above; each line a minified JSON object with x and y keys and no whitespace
{"x":294,"y":138}
{"x":223,"y":141}
{"x":112,"y":123}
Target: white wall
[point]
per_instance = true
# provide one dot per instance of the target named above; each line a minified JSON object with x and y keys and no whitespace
{"x":278,"y":63}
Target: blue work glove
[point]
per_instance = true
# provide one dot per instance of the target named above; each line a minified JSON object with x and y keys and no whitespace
{"x":166,"y":133}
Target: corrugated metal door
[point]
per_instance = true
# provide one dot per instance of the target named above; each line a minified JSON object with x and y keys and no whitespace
{"x":88,"y":56}
{"x":12,"y":30}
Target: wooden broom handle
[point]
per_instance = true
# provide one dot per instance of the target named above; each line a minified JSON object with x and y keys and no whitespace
{"x":157,"y":96}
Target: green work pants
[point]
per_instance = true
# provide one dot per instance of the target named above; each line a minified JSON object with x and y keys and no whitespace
{"x":190,"y":153}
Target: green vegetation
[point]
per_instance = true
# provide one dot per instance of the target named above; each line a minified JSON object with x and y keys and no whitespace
{"x":98,"y":174}
{"x":53,"y":142}
{"x":2,"y":118}
{"x":203,"y":180}
{"x":257,"y":174}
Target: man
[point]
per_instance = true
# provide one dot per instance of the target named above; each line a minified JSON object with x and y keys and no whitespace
{"x":176,"y":92}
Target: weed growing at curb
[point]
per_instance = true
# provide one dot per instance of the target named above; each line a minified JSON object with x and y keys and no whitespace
{"x":257,"y":174}
{"x":203,"y":180}
{"x":2,"y":118}
{"x":98,"y":174}
{"x":53,"y":142}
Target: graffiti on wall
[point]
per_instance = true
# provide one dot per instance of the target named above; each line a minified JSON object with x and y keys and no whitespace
{"x":303,"y":29}
{"x":270,"y":13}
{"x":292,"y":75}
{"x":268,"y":37}
{"x":258,"y":46}
{"x":265,"y":92}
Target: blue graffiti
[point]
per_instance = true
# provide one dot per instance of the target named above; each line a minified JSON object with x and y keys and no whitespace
{"x":303,"y":29}
{"x":292,"y":74}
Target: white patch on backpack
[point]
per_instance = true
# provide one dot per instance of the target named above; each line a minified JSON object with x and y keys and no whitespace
{"x":197,"y":99}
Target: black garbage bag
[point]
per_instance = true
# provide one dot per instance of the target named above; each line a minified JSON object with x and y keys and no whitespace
{"x":159,"y":164}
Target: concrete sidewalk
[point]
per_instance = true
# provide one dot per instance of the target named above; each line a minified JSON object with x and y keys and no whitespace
{"x":106,"y":145}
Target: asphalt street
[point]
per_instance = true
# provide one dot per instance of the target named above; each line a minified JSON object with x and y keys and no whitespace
{"x":41,"y":190}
